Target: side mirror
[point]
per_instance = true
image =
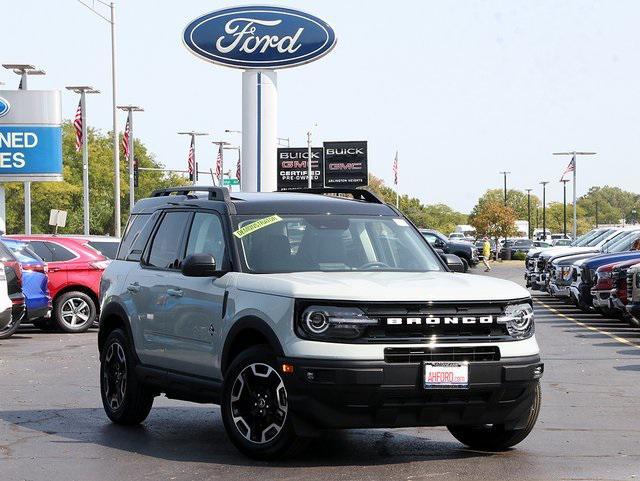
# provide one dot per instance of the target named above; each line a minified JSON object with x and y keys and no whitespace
{"x":454,"y":263}
{"x":199,"y":265}
{"x":439,"y":243}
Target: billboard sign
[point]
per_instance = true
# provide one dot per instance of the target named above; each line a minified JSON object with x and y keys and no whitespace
{"x":345,"y":164}
{"x":30,"y":136}
{"x":292,"y":168}
{"x":259,"y":37}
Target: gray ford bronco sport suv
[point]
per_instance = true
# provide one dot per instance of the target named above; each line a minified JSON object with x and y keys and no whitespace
{"x":297,"y":312}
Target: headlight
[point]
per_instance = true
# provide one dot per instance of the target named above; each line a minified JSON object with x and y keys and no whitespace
{"x":518,"y":319}
{"x":566,"y":273}
{"x":328,"y":322}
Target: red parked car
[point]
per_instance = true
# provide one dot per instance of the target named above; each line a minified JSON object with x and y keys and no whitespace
{"x":75,"y":270}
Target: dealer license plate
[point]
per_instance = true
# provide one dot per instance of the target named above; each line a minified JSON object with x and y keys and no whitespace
{"x":446,"y":375}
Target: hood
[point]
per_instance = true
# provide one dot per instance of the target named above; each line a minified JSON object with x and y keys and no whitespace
{"x":562,"y":251}
{"x":602,"y":260}
{"x":570,"y":259}
{"x":382,"y":286}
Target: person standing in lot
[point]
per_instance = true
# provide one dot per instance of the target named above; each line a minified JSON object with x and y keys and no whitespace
{"x":486,"y":254}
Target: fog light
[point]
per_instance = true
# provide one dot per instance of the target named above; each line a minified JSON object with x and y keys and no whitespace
{"x":537,"y":372}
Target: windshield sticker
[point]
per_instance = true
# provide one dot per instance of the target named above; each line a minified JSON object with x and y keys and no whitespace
{"x":254,"y":226}
{"x":401,"y":222}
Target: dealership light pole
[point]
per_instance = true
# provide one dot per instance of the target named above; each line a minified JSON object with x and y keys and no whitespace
{"x":83,"y":90}
{"x":505,"y":173}
{"x":309,"y":180}
{"x":544,"y":210}
{"x":111,"y":20}
{"x":132,"y":188}
{"x":564,"y":203}
{"x":574,"y":156}
{"x":24,"y":70}
{"x":193,"y":134}
{"x":220,"y":143}
{"x":529,"y":212}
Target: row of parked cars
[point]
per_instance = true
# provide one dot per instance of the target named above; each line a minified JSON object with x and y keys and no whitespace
{"x":52,"y":281}
{"x":599,"y":271}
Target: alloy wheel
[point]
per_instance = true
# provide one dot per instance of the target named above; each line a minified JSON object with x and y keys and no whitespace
{"x":259,"y":403}
{"x":75,"y":312}
{"x":114,"y":374}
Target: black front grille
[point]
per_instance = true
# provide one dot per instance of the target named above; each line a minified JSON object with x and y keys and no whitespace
{"x":428,"y":332}
{"x":408,"y":355}
{"x":630,"y":286}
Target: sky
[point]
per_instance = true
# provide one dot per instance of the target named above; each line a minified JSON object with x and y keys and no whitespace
{"x":462,"y":89}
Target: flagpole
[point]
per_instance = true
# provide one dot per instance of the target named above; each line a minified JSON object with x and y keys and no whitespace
{"x":132,"y":189}
{"x":575,"y":212}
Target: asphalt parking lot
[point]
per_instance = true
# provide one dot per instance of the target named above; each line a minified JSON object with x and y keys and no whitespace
{"x":52,"y":426}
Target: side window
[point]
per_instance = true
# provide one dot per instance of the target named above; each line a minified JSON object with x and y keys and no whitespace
{"x":134,"y":226}
{"x":206,"y":237}
{"x":165,"y":250}
{"x":42,"y":250}
{"x":139,"y":241}
{"x":59,"y":253}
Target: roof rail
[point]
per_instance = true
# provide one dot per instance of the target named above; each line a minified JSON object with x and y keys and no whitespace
{"x":360,"y":194}
{"x":215,"y":193}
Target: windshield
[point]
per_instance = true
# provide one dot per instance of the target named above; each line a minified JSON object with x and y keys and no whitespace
{"x":583,"y":240}
{"x":622,"y":243}
{"x":23,"y":253}
{"x":594,"y":241}
{"x":283,"y":243}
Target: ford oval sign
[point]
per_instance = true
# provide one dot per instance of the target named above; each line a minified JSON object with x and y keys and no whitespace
{"x":259,"y":37}
{"x":5,"y":106}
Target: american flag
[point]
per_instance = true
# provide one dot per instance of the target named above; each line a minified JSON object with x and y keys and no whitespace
{"x":219,"y":164}
{"x":191,"y":160}
{"x":395,"y":169}
{"x":77,"y":123}
{"x":125,"y":139}
{"x":238,"y":169}
{"x":570,"y":168}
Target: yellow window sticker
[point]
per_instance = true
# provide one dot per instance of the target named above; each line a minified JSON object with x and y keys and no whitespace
{"x":254,"y":226}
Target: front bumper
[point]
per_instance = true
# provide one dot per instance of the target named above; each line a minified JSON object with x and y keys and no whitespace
{"x":559,"y":291}
{"x":330,"y":394}
{"x":602,"y":298}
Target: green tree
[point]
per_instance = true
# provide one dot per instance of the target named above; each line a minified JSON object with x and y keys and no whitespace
{"x":613,"y":205}
{"x":516,"y":199}
{"x":494,"y":220}
{"x":67,"y":195}
{"x":435,"y":216}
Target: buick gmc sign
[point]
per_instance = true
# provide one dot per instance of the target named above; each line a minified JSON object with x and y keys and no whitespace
{"x":345,"y":164}
{"x":259,"y":37}
{"x":293,"y":171}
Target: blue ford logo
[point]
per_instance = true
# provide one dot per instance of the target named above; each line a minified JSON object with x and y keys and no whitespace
{"x":259,"y":37}
{"x":5,"y":106}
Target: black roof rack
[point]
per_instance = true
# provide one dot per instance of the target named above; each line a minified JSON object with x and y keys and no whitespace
{"x":360,"y":194}
{"x":215,"y":193}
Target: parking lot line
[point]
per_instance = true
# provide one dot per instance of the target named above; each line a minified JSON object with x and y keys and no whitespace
{"x":586,"y":326}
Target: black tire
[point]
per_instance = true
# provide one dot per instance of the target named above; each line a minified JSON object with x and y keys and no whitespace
{"x":127,"y":404}
{"x":465,"y":264}
{"x":496,"y":437}
{"x":74,"y":312}
{"x":11,"y":329}
{"x":275,"y":442}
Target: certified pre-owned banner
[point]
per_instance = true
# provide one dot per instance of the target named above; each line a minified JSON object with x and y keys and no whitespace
{"x":292,"y":168}
{"x":345,"y":164}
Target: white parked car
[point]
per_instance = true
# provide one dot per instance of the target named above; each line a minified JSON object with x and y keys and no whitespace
{"x":5,"y":302}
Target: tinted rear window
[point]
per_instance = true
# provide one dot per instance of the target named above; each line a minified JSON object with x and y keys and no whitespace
{"x":108,"y":249}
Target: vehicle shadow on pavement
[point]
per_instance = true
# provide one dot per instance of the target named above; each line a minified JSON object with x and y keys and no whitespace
{"x":197,"y":435}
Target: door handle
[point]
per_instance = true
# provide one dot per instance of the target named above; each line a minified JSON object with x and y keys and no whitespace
{"x":54,"y":269}
{"x":174,"y":292}
{"x":135,"y":287}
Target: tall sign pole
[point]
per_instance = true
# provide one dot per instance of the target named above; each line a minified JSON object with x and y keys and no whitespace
{"x":564,"y":204}
{"x":259,"y":40}
{"x":505,"y":173}
{"x":131,"y":155}
{"x":83,"y":90}
{"x":574,"y":156}
{"x":529,"y":212}
{"x":544,"y":210}
{"x":24,"y":70}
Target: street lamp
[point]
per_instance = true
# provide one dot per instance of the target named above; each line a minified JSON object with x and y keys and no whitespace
{"x":529,"y":211}
{"x":564,"y":196}
{"x":111,"y":20}
{"x":544,"y":210}
{"x":505,"y":173}
{"x":193,"y":134}
{"x":24,"y":70}
{"x":83,"y":90}
{"x":574,"y":169}
{"x":132,"y":187}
